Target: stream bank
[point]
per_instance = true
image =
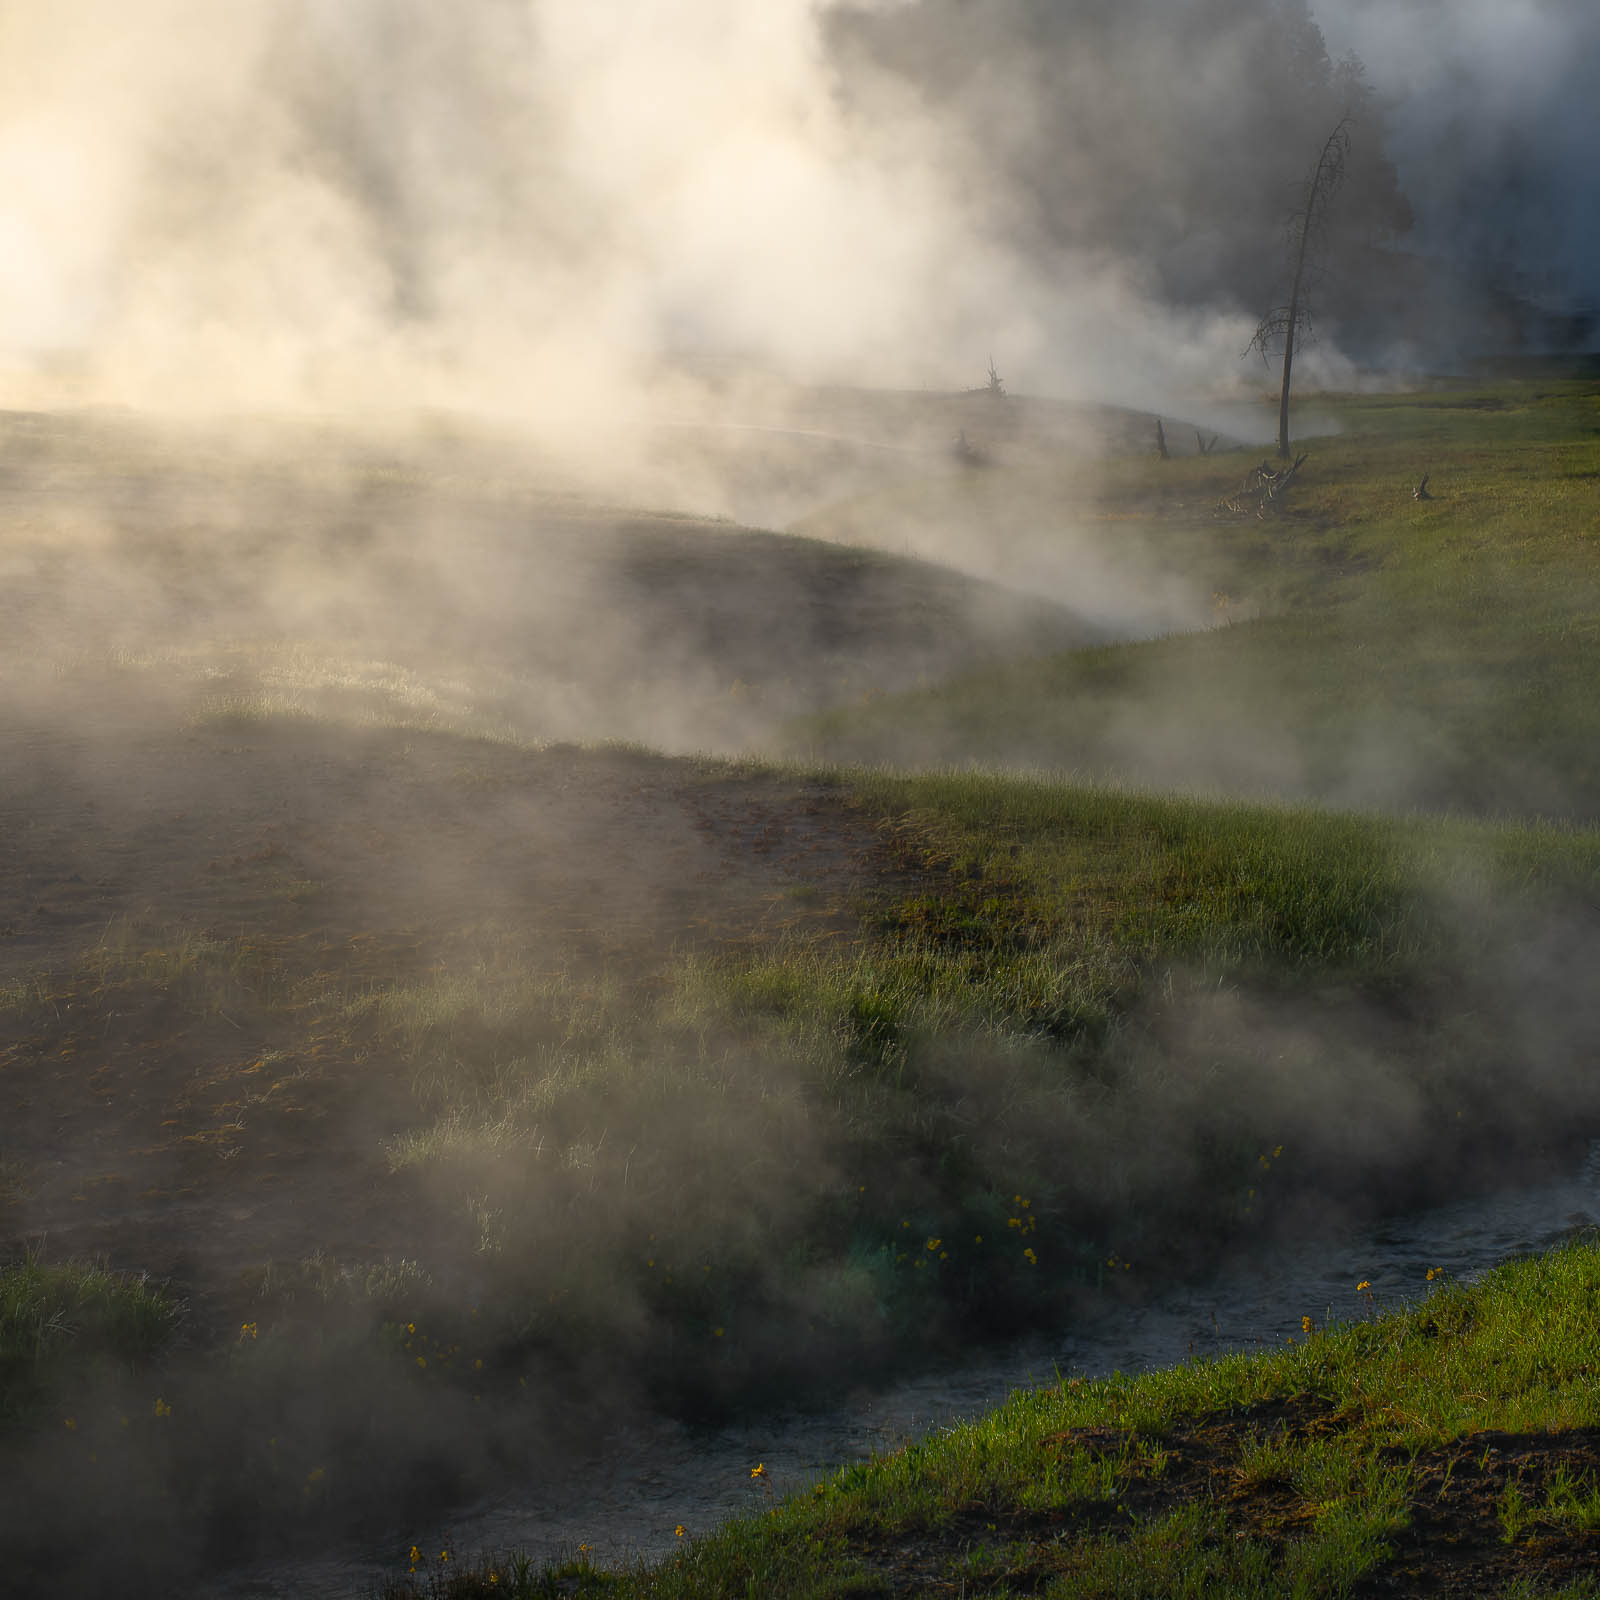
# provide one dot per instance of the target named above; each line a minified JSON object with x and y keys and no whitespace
{"x":639,"y":1483}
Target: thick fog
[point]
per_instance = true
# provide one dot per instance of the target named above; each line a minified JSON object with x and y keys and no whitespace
{"x":1493,"y":124}
{"x":506,"y":207}
{"x":516,"y":208}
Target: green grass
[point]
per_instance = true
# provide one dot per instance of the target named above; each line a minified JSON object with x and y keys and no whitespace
{"x":1296,"y":1472}
{"x":1394,"y":653}
{"x":65,"y":1329}
{"x":1155,"y":876}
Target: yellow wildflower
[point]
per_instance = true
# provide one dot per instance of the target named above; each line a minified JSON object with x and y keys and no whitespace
{"x":680,"y":1530}
{"x":759,"y":1470}
{"x":1305,"y":1324}
{"x":1364,"y":1284}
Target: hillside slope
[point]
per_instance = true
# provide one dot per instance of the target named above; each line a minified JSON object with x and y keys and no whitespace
{"x":1367,"y":648}
{"x":368,"y":577}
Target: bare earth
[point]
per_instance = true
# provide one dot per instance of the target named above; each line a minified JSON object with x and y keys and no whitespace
{"x":186,"y":1127}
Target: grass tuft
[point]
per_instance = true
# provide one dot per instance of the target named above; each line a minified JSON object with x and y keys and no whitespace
{"x":63,"y":1328}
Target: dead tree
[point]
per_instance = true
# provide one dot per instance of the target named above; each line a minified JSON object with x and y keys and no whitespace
{"x":1161,"y":441}
{"x":1421,"y":490}
{"x":996,"y":386}
{"x":1262,"y":491}
{"x":1306,"y":231}
{"x":1204,"y":448}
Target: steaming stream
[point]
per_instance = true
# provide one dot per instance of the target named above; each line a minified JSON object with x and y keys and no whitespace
{"x":642,"y":1480}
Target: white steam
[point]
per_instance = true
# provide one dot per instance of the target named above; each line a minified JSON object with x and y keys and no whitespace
{"x":511,"y":207}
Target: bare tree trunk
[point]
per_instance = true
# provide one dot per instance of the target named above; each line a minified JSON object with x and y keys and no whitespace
{"x":1288,"y":367}
{"x":1286,"y":320}
{"x":1333,"y":151}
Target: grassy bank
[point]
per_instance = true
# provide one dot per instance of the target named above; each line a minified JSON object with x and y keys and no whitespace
{"x":1450,"y":1448}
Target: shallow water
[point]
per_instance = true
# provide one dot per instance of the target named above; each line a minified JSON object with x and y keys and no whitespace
{"x":642,"y":1481}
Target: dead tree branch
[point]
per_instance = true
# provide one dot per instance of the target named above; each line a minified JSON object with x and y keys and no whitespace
{"x":1262,"y":491}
